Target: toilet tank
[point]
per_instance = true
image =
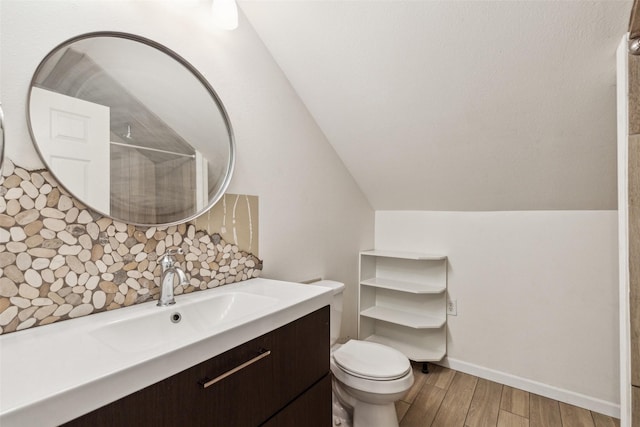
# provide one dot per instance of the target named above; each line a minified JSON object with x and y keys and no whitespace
{"x":336,"y":306}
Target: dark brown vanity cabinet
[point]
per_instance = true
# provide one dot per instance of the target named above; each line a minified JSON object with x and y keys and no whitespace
{"x":279,"y":379}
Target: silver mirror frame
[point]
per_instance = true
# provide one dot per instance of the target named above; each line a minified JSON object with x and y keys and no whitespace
{"x":1,"y":138}
{"x":163,"y":49}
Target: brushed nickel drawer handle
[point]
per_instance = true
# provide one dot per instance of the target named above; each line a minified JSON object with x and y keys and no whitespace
{"x":207,"y":382}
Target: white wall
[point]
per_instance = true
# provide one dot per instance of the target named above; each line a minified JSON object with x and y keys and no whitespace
{"x":313,"y":217}
{"x":522,"y":120}
{"x":537,"y":296}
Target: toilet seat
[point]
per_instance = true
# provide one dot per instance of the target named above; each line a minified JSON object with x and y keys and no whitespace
{"x":371,"y":361}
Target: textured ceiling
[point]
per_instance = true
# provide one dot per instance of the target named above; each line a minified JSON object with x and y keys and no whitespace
{"x":454,"y":105}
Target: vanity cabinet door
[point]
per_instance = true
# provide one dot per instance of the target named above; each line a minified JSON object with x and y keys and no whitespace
{"x":309,"y":410}
{"x":254,"y":387}
{"x":299,"y":358}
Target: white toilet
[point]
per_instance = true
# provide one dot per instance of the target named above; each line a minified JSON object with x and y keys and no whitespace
{"x":368,"y":377}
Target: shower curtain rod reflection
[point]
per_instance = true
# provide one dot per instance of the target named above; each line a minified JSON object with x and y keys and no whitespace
{"x":140,"y":147}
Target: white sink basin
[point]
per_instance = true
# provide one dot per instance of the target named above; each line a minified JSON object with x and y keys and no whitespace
{"x":215,"y":312}
{"x":177,"y":323}
{"x":52,"y":374}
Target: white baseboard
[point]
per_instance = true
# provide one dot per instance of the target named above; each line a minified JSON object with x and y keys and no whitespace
{"x":566,"y":396}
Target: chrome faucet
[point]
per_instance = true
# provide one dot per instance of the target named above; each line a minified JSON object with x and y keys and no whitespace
{"x":169,"y":270}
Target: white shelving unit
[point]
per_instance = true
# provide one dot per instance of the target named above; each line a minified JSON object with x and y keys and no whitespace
{"x":402,"y":302}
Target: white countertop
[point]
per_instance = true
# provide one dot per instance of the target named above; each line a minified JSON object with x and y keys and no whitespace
{"x":52,"y":374}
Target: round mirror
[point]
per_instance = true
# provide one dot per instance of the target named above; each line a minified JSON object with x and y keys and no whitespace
{"x":130,"y":129}
{"x":1,"y":138}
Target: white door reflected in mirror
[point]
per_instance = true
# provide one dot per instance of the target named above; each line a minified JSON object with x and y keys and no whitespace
{"x":76,"y":136}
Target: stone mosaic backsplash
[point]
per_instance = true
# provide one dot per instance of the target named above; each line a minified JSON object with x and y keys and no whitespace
{"x":60,"y":260}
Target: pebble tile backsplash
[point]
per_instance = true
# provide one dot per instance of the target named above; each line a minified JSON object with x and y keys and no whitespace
{"x":60,"y":260}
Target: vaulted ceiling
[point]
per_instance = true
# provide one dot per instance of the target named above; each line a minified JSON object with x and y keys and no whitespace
{"x":459,"y":105}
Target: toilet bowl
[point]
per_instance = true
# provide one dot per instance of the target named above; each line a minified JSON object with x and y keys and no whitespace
{"x":368,"y":377}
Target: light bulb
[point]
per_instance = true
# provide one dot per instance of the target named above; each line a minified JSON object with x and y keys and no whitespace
{"x":225,"y":14}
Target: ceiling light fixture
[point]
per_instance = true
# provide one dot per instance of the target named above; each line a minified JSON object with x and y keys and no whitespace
{"x":225,"y":14}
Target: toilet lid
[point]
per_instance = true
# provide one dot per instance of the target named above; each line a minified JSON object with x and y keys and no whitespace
{"x":371,"y":360}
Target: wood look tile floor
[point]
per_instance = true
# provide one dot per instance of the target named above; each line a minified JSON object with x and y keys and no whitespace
{"x":447,"y":398}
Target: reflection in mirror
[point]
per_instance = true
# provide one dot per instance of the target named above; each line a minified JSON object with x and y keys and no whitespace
{"x":1,"y":138}
{"x":131,"y":129}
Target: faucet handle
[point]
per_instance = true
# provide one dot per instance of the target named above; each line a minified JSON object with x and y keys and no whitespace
{"x":169,"y":256}
{"x":174,"y":251}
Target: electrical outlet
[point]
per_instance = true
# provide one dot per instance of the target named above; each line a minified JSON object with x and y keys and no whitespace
{"x":452,"y":307}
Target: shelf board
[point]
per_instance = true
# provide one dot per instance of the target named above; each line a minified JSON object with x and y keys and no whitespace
{"x":411,"y":320}
{"x":413,"y":352}
{"x":404,"y":255}
{"x":399,"y":285}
